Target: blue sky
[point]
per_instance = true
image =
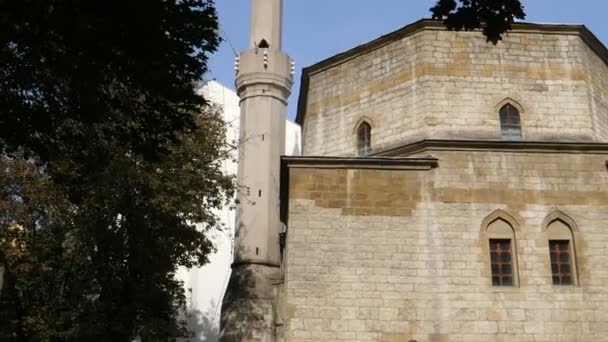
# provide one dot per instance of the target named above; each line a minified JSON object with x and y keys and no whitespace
{"x":316,"y":29}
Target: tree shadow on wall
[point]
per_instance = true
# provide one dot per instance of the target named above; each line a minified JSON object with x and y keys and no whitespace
{"x":247,"y":305}
{"x":203,"y":326}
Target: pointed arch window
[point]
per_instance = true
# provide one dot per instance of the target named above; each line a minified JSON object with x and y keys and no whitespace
{"x":562,"y":249}
{"x":364,"y":139}
{"x":499,"y":232}
{"x":510,"y":123}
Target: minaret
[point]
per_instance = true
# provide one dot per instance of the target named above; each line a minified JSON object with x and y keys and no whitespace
{"x":263,"y":82}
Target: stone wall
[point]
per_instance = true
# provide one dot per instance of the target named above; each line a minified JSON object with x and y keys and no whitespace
{"x":598,"y":92}
{"x":400,"y":255}
{"x":437,"y":84}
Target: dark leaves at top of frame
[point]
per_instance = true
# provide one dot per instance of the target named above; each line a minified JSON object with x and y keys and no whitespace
{"x":493,"y":17}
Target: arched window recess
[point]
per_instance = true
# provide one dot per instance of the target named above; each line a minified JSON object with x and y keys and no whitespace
{"x":561,"y":230}
{"x":510,"y":120}
{"x":498,"y":233}
{"x":363,"y":132}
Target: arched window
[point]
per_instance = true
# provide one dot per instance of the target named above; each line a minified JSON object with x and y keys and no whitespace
{"x":510,"y":124}
{"x":561,"y":248}
{"x":364,"y":139}
{"x":498,"y":230}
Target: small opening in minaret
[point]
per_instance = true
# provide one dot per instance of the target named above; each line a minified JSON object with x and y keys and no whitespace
{"x":263,"y":44}
{"x":259,"y":193}
{"x":257,"y":251}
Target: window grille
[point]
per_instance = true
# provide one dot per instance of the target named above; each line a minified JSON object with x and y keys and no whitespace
{"x":561,"y":262}
{"x":510,"y":124}
{"x":501,"y":260}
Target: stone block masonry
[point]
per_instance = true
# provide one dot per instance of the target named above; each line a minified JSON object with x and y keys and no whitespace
{"x":431,"y":83}
{"x":400,"y":255}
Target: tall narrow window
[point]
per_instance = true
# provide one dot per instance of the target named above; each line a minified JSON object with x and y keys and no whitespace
{"x":498,"y":230}
{"x":561,"y":235}
{"x":510,"y":124}
{"x":364,"y":139}
{"x":561,"y":262}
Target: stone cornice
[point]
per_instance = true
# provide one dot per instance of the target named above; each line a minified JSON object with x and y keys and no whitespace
{"x":396,"y":158}
{"x":498,"y":146}
{"x":375,"y":163}
{"x":426,"y":24}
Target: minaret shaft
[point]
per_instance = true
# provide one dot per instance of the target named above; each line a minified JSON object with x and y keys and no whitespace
{"x":266,"y":23}
{"x":262,"y":136}
{"x":263,"y":82}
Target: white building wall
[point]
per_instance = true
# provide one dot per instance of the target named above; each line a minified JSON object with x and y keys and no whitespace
{"x":205,"y":286}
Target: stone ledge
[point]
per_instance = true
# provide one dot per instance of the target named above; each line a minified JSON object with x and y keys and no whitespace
{"x":374,"y":163}
{"x":494,"y":145}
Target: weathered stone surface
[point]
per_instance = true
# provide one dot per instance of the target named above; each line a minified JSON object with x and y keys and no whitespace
{"x":250,"y":305}
{"x":378,"y":253}
{"x":435,"y":84}
{"x":400,"y":255}
{"x":250,"y":308}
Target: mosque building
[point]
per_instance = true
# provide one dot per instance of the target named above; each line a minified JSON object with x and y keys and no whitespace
{"x":448,"y":189}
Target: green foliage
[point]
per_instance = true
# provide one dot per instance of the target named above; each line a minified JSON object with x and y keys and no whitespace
{"x":494,"y":17}
{"x":107,"y":158}
{"x":28,"y":201}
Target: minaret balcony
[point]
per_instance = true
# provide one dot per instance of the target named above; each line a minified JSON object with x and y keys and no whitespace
{"x":264,"y":72}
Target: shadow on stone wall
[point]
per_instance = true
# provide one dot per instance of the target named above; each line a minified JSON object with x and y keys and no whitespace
{"x":203,"y":325}
{"x":247,"y":310}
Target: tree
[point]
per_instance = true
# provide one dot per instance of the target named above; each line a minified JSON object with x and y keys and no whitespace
{"x":494,"y":17}
{"x":30,"y":256}
{"x":108,"y":157}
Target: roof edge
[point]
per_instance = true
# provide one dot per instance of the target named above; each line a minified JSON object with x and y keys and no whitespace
{"x":494,"y":145}
{"x":576,"y":29}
